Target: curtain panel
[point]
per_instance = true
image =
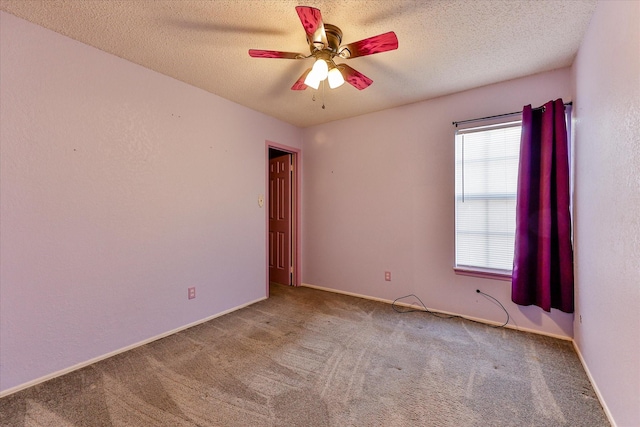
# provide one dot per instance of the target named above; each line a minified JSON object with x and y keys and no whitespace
{"x":543,"y":254}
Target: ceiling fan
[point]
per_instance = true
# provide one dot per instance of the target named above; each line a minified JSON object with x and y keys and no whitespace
{"x":324,"y":43}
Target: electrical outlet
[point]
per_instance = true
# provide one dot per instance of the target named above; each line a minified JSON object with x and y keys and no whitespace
{"x":192,"y":292}
{"x":387,"y":276}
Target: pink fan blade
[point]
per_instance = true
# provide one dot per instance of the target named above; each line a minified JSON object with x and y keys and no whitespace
{"x":257,"y":53}
{"x":375,"y":44}
{"x":299,"y":85}
{"x":354,"y":78}
{"x":311,"y":19}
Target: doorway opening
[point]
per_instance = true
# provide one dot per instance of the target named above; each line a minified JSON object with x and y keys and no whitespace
{"x":283,"y":236}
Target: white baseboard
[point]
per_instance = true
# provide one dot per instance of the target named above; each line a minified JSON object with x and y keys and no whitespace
{"x":594,"y":385}
{"x":121,"y":350}
{"x":448,"y":313}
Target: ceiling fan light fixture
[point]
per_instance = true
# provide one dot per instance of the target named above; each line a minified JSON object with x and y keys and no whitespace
{"x":312,"y":80}
{"x":335,"y":78}
{"x":320,"y":69}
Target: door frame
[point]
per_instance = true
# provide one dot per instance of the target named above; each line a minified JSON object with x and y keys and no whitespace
{"x":296,"y":159}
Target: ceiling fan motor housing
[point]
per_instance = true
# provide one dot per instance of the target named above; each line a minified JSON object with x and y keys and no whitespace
{"x":334,"y":38}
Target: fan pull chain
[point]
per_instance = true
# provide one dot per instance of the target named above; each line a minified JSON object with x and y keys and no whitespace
{"x":313,"y":97}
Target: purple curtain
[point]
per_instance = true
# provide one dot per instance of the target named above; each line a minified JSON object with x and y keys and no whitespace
{"x":543,"y":258}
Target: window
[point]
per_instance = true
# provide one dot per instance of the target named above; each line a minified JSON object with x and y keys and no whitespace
{"x":486,"y":182}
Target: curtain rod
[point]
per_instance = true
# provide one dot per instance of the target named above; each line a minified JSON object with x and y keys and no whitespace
{"x":498,"y":115}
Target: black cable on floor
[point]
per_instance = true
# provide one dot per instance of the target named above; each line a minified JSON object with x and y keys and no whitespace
{"x":448,"y":316}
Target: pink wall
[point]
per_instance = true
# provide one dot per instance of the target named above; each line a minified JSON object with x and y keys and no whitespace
{"x":378,"y":195}
{"x":120,"y":188}
{"x":607,"y":200}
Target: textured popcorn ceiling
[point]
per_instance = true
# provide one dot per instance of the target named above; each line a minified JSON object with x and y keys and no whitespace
{"x":444,"y":46}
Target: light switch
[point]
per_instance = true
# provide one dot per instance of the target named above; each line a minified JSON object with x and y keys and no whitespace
{"x":261,"y":200}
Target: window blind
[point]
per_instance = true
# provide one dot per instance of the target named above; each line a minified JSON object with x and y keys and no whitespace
{"x":486,"y":182}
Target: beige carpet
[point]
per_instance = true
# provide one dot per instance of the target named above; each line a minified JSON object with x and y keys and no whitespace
{"x":310,"y":358}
